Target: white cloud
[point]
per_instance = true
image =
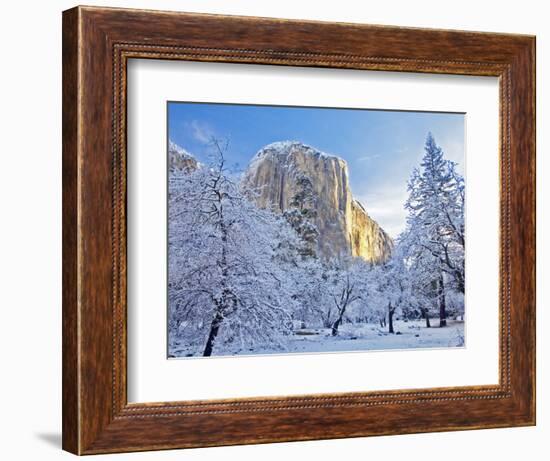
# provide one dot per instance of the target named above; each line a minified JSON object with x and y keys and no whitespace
{"x":200,"y":131}
{"x":366,"y":158}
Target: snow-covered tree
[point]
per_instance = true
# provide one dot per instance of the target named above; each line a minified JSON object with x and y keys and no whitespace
{"x":227,"y":287}
{"x":391,"y":288}
{"x":310,"y":292}
{"x":344,"y":287}
{"x":435,"y":224}
{"x":422,"y":281}
{"x":301,"y":213}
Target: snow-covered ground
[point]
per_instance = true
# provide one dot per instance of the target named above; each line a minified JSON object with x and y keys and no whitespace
{"x":363,"y":337}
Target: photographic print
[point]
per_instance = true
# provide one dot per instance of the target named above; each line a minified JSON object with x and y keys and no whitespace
{"x":313,"y":229}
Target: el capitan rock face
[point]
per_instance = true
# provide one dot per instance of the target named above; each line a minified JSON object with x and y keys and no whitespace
{"x":344,"y":226}
{"x":368,"y":239}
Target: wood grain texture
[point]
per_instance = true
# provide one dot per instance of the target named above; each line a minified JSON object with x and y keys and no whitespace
{"x":70,"y":384}
{"x":97,"y":43}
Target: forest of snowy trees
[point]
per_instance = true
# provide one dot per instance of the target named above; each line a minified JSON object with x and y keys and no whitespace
{"x":246,"y":280}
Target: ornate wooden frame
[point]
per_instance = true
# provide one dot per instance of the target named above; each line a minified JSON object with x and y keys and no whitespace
{"x":97,"y":43}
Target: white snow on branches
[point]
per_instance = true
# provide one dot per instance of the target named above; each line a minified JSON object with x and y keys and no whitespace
{"x":242,"y":281}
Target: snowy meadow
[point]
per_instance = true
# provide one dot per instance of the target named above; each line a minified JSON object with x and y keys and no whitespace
{"x":281,"y":257}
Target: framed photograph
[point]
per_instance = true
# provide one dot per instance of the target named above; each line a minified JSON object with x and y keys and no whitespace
{"x":281,"y":230}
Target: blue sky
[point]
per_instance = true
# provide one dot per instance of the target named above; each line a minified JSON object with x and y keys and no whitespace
{"x":381,"y":147}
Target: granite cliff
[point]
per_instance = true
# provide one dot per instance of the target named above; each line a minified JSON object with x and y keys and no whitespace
{"x":180,"y":159}
{"x":277,"y":174}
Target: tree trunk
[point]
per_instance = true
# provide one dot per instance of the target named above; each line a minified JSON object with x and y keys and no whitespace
{"x":390,"y":318}
{"x":342,"y":308}
{"x":461,"y":287}
{"x":326,"y":320}
{"x":442,"y":307}
{"x":335,"y":326}
{"x":226,"y":293}
{"x":214,"y":328}
{"x":426,"y":316}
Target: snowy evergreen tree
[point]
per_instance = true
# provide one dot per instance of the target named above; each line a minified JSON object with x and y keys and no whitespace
{"x":301,"y":213}
{"x":434,"y":237}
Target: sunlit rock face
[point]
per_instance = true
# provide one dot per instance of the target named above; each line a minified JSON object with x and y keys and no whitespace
{"x":344,"y":226}
{"x":180,"y":159}
{"x":368,"y":240}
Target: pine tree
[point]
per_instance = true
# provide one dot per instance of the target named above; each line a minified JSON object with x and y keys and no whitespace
{"x":301,"y":213}
{"x":435,"y":225}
